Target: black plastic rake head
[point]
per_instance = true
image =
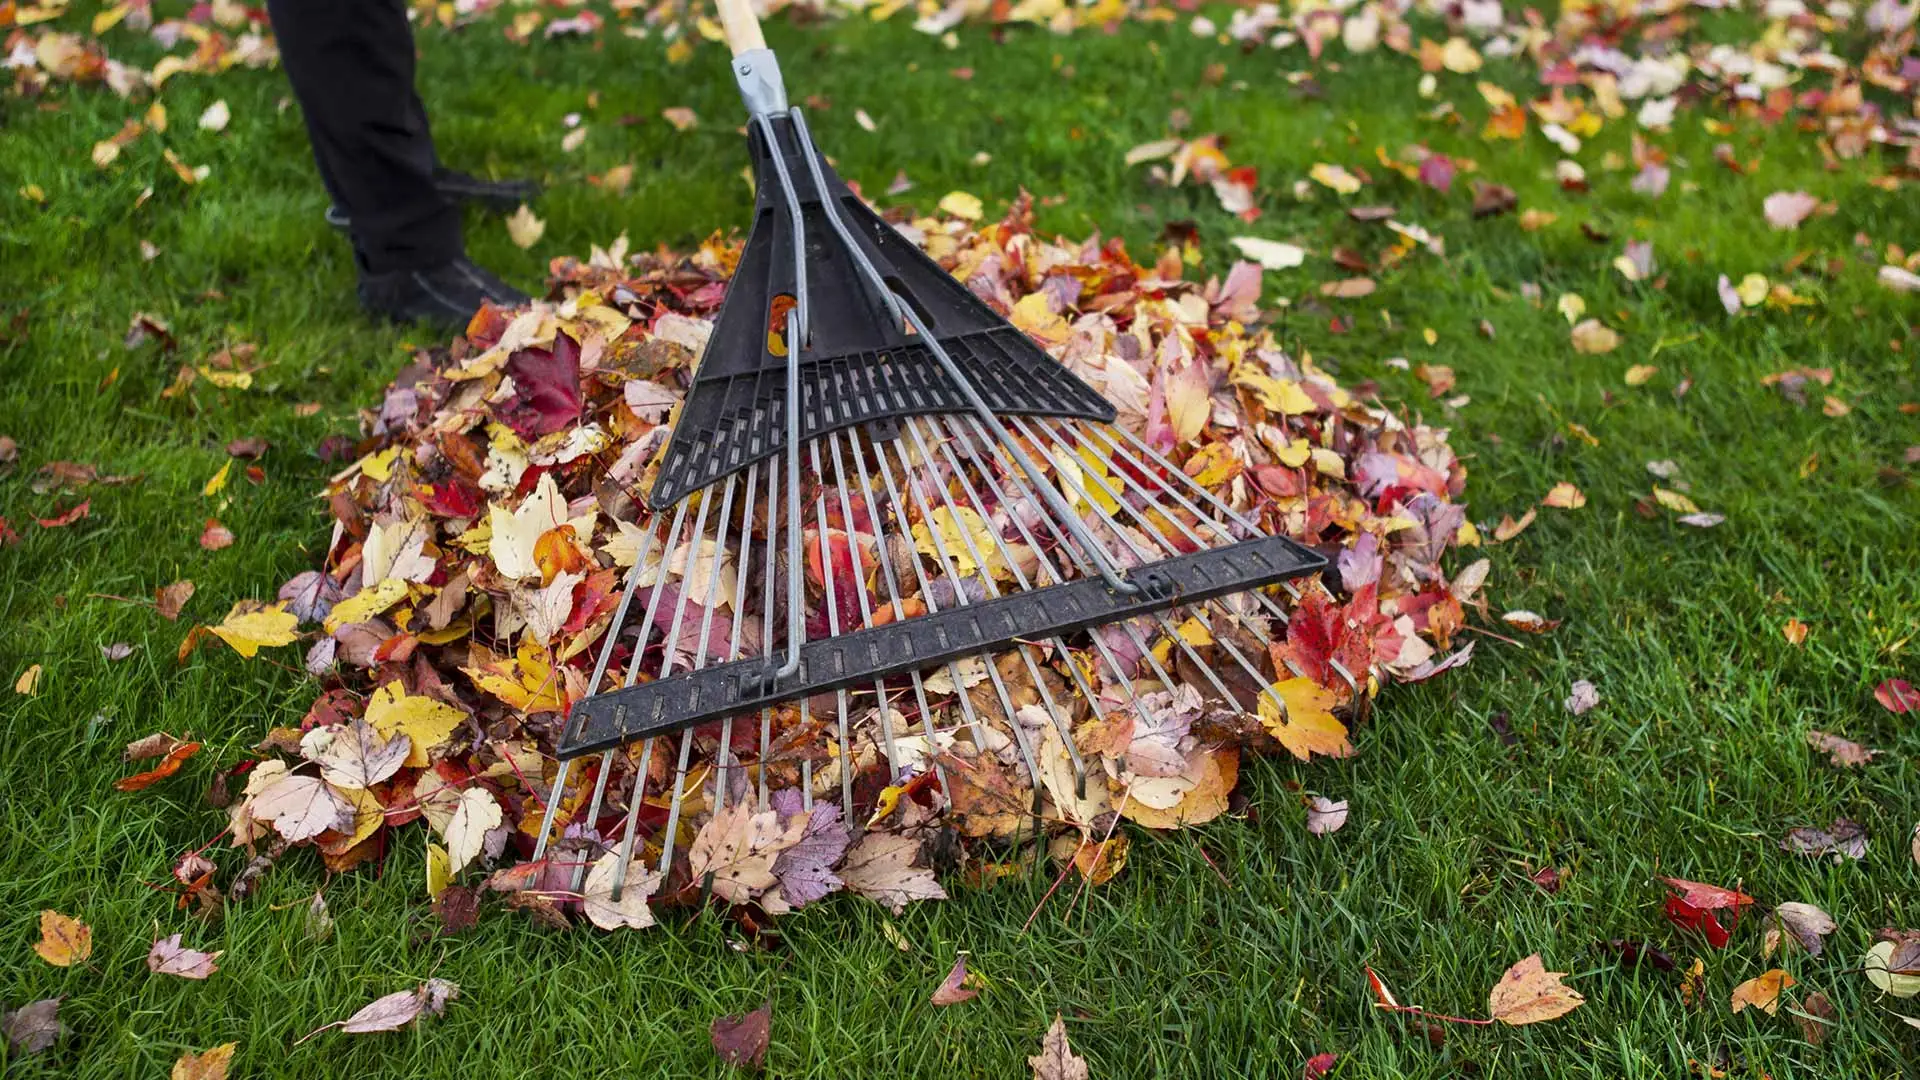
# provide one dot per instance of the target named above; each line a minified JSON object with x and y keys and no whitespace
{"x":857,"y":364}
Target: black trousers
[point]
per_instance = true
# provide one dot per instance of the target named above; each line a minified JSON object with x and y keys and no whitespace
{"x":351,"y":65}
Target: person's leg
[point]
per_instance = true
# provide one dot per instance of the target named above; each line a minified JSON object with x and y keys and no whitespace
{"x":351,"y":65}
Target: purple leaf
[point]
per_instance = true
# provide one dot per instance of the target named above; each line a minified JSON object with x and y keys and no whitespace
{"x":805,"y":870}
{"x":310,"y":596}
{"x":546,"y":389}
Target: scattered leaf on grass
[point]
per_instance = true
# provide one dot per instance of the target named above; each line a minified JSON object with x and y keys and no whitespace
{"x":1762,"y":992}
{"x":1806,"y":923}
{"x":1271,"y":254}
{"x":1593,"y":337}
{"x":1787,"y":209}
{"x":1529,"y":994}
{"x":523,"y":228}
{"x":741,"y":1041}
{"x":1844,"y":753}
{"x":1564,"y":496}
{"x":681,"y":117}
{"x":1843,"y":839}
{"x":1056,"y":1059}
{"x":169,"y":599}
{"x":1795,"y":632}
{"x":398,"y":1009}
{"x":169,"y":957}
{"x":249,"y":631}
{"x":1324,"y":816}
{"x":1897,"y":696}
{"x":1584,"y":696}
{"x":176,"y":756}
{"x":28,"y":683}
{"x":33,"y":1028}
{"x":215,"y":536}
{"x":1893,"y":964}
{"x":1816,"y":1016}
{"x":64,"y":940}
{"x":953,"y":989}
{"x":215,"y":116}
{"x":211,"y":1065}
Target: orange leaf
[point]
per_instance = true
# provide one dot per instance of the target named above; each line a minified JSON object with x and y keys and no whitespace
{"x":1762,"y":993}
{"x":64,"y":940}
{"x":1528,"y":994}
{"x":174,"y":759}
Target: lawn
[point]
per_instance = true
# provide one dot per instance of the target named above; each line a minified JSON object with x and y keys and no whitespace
{"x":1694,"y":764}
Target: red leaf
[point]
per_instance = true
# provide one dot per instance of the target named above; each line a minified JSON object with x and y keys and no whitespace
{"x":741,"y":1041}
{"x":167,"y":767}
{"x":1708,"y":897}
{"x":85,"y":508}
{"x":546,"y":388}
{"x":1320,"y":1065}
{"x":1896,"y":694}
{"x":215,"y":536}
{"x":1688,"y":917}
{"x":1437,"y":172}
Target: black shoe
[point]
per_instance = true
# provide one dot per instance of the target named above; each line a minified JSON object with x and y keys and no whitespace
{"x":445,"y":296}
{"x":498,"y":196}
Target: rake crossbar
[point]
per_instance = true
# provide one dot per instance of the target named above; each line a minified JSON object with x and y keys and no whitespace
{"x":695,"y":697}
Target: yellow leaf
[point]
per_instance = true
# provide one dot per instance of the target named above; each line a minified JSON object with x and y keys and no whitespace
{"x":1335,"y":177}
{"x":426,"y":722}
{"x":1795,"y":631}
{"x":439,"y":869}
{"x":64,"y":940}
{"x":29,"y":681}
{"x":1638,"y":374}
{"x":1592,"y":337}
{"x":1572,"y":306}
{"x":1213,"y":775}
{"x":1674,"y":501}
{"x":226,"y":380}
{"x":104,"y":21}
{"x":884,"y":804}
{"x":1459,"y":57}
{"x":1308,"y":725}
{"x":1036,"y":316}
{"x":1294,"y":454}
{"x":956,"y":527}
{"x":249,"y":632}
{"x":526,"y":682}
{"x":1496,"y":97}
{"x":680,"y":51}
{"x":1189,"y":401}
{"x":962,"y":205}
{"x":366,"y":604}
{"x":1752,"y":290}
{"x":219,"y":481}
{"x":1528,"y":994}
{"x":211,"y":1065}
{"x":1276,"y":395}
{"x":524,"y":229}
{"x":380,"y":465}
{"x":1564,"y":496}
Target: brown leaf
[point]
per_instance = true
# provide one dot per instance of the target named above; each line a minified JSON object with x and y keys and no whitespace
{"x":250,"y":447}
{"x":399,"y":1009}
{"x":158,"y":744}
{"x":1490,"y":199}
{"x":1056,"y":1059}
{"x":1807,"y":923}
{"x":1509,"y":528}
{"x":457,"y":907}
{"x":169,"y":599}
{"x":1528,"y":994}
{"x":1815,"y":1016}
{"x":741,"y":1041}
{"x":953,"y":990}
{"x":1844,"y":753}
{"x":30,"y":1029}
{"x":1763,"y":992}
{"x":64,"y":940}
{"x":1564,"y":496}
{"x":881,"y":866}
{"x":1348,"y":288}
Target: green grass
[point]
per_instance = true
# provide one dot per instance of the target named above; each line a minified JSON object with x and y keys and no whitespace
{"x":1694,"y":765}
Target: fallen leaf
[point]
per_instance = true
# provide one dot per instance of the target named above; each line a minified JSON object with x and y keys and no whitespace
{"x":1843,"y":839}
{"x":176,"y":756}
{"x":880,"y":866}
{"x":1816,"y":1016}
{"x":169,"y":599}
{"x":523,"y":228}
{"x":1762,"y":992}
{"x":631,"y":910}
{"x":211,"y":1065}
{"x":1897,"y":696}
{"x":1893,"y":968}
{"x":1509,"y":528}
{"x":169,"y":957}
{"x":1564,"y":496}
{"x":250,"y":631}
{"x":962,"y":205}
{"x":1795,"y":631}
{"x":401,"y":1008}
{"x":1335,"y":177}
{"x":1807,"y":923}
{"x":67,"y":517}
{"x":1056,"y":1059}
{"x":1584,"y":696}
{"x":741,"y":1041}
{"x":1787,"y":209}
{"x":216,"y":116}
{"x":1271,"y":254}
{"x":28,"y":683}
{"x":33,"y":1028}
{"x":953,"y":990}
{"x":64,"y":940}
{"x":215,"y":536}
{"x":1348,"y":288}
{"x":1307,"y":725}
{"x":681,"y":117}
{"x":1528,"y":994}
{"x":477,"y":812}
{"x":355,"y":755}
{"x":425,"y":722}
{"x":301,"y":807}
{"x":1324,"y":816}
{"x":1593,"y":337}
{"x":1319,"y":1066}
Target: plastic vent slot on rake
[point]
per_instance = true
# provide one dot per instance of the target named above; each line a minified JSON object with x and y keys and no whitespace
{"x":879,"y":496}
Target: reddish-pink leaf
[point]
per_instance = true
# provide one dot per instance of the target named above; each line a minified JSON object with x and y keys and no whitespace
{"x":67,"y":517}
{"x":952,"y":990}
{"x":741,"y":1041}
{"x":169,"y":957}
{"x":1897,"y":695}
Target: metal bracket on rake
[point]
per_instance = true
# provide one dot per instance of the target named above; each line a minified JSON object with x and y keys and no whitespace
{"x":695,"y":697}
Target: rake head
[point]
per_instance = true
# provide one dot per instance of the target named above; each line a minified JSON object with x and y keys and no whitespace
{"x":890,"y":527}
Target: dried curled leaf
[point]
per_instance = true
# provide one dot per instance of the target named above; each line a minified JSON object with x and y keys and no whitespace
{"x":1528,"y":994}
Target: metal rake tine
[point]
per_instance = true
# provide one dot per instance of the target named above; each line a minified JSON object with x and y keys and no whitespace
{"x":733,"y":650}
{"x":599,"y":672}
{"x":860,"y":587}
{"x":886,"y":573}
{"x":919,"y":687}
{"x":833,"y":623}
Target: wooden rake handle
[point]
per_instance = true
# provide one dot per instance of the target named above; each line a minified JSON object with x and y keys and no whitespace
{"x":742,"y":26}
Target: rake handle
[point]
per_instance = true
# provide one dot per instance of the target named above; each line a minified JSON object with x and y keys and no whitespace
{"x":742,"y":26}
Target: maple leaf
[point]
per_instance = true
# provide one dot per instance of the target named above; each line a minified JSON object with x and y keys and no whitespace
{"x":1762,"y":992}
{"x":738,"y":847}
{"x":1528,"y":994}
{"x":953,"y":989}
{"x":1056,"y":1059}
{"x":1307,"y":725}
{"x":880,"y":866}
{"x":1844,"y":753}
{"x":546,"y":389}
{"x":741,"y":1041}
{"x":169,"y":957}
{"x":354,"y":755}
{"x":1564,"y":496}
{"x":209,"y":1065}
{"x":64,"y":940}
{"x":422,"y":721}
{"x":805,"y":870}
{"x":169,"y":599}
{"x":251,"y":628}
{"x":523,"y":228}
{"x":467,"y":830}
{"x":33,"y":1028}
{"x":301,"y":807}
{"x":1808,"y":924}
{"x":631,"y":910}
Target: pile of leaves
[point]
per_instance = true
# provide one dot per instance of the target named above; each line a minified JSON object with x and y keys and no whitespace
{"x":489,"y":515}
